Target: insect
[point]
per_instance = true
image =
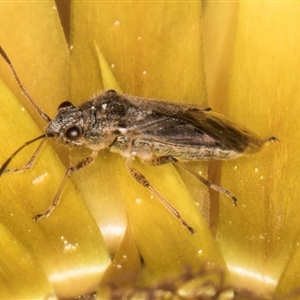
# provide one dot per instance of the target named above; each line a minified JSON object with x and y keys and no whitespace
{"x":157,"y":132}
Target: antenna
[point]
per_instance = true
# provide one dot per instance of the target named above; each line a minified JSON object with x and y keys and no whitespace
{"x":43,"y":115}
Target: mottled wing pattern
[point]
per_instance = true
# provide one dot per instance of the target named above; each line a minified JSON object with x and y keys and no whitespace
{"x":192,"y":125}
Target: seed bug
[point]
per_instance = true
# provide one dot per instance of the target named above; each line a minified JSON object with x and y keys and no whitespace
{"x":155,"y":131}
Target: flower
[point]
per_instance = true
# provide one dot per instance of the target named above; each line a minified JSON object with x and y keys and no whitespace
{"x":154,"y":50}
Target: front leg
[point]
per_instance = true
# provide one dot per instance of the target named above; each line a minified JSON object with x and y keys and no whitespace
{"x":30,"y":162}
{"x":81,"y":164}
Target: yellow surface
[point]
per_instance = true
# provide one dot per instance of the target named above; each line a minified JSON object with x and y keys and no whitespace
{"x":251,"y":56}
{"x":68,"y":245}
{"x":253,"y":67}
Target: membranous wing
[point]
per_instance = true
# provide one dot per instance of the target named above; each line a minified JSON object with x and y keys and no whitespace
{"x":229,"y":134}
{"x":189,"y":132}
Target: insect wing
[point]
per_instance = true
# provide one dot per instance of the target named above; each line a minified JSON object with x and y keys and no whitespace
{"x":170,"y":131}
{"x":184,"y":125}
{"x":229,"y":134}
{"x":168,"y":108}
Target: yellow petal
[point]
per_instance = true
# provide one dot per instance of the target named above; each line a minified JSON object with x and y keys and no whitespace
{"x":21,"y":276}
{"x":288,"y":285}
{"x":260,"y":66}
{"x":68,"y":245}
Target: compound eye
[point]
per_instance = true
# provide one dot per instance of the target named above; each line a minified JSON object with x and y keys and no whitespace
{"x":73,"y":133}
{"x":111,"y":91}
{"x":66,"y":104}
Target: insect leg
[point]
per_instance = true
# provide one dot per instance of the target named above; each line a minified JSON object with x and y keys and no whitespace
{"x":6,"y":163}
{"x":81,"y":164}
{"x":140,"y":178}
{"x":170,"y":159}
{"x":30,"y":162}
